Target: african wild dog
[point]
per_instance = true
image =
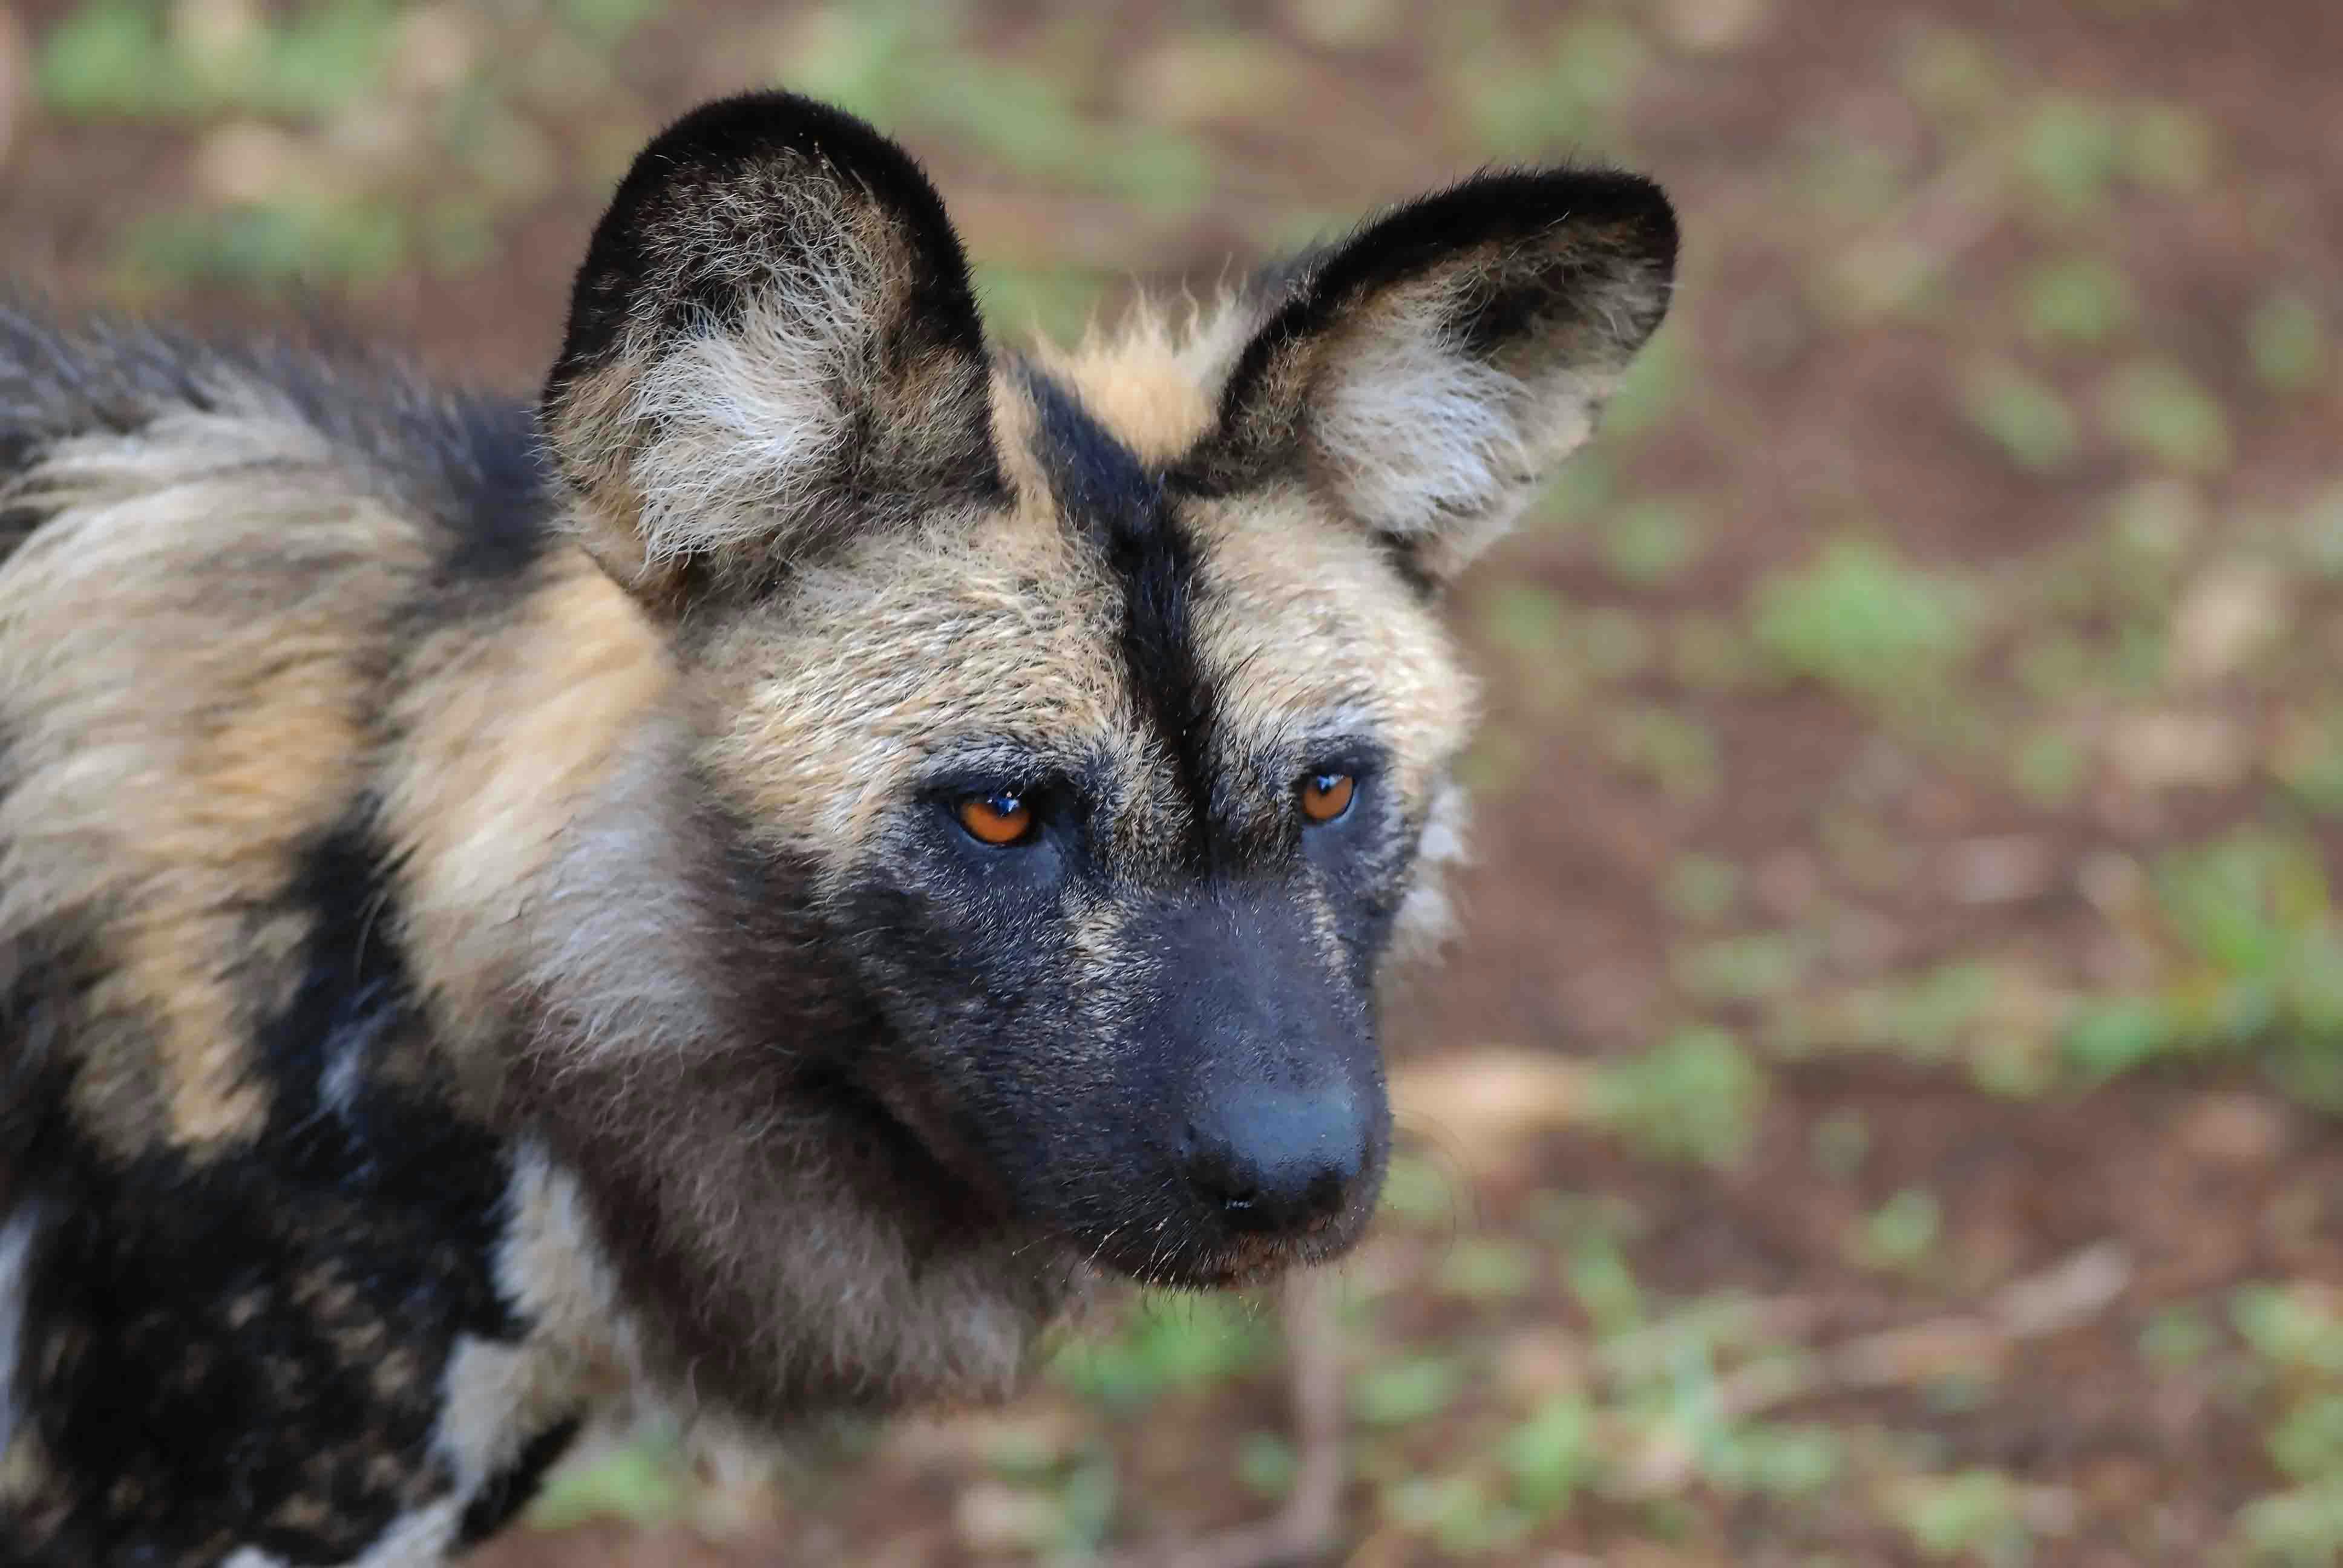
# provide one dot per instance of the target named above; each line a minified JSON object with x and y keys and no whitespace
{"x":750,"y":882}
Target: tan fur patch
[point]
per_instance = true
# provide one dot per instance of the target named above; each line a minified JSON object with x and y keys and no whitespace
{"x":1307,"y":627}
{"x":24,"y":1471}
{"x":168,"y":973}
{"x":1152,"y":380}
{"x":232,"y":551}
{"x":594,"y":406}
{"x":962,"y":631}
{"x":509,"y":731}
{"x":1013,"y":429}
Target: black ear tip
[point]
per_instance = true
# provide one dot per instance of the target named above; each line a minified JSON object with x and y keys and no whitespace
{"x":729,"y":118}
{"x":1646,"y":211}
{"x":1631,"y":208}
{"x":1626,"y":213}
{"x":749,"y":125}
{"x":733,"y":134}
{"x":718,"y":145}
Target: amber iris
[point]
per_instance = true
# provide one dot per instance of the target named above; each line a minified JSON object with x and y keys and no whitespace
{"x":1326,"y":796}
{"x":999,"y":819}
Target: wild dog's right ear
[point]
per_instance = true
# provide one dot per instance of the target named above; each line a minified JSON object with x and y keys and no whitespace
{"x":772,"y":340}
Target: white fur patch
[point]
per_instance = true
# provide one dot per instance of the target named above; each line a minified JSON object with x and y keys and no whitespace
{"x":552,"y":1265}
{"x":1424,"y":439}
{"x":750,"y":417}
{"x":486,"y":1397}
{"x":1418,"y":430}
{"x":416,"y":1540}
{"x":346,"y":1073}
{"x":615,"y":928}
{"x":1427,"y":915}
{"x":16,"y":1238}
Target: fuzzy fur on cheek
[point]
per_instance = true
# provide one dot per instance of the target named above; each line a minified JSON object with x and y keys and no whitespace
{"x":746,"y":1217}
{"x":619,"y":935}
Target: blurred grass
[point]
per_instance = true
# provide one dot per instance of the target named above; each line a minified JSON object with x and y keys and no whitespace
{"x":136,"y":59}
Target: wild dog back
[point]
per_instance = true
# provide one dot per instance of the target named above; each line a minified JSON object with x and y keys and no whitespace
{"x":746,"y":886}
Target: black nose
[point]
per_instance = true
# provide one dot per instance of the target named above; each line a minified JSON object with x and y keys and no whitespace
{"x":1273,"y":1162}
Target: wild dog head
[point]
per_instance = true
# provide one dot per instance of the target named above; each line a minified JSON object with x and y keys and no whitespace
{"x":1074,"y":721}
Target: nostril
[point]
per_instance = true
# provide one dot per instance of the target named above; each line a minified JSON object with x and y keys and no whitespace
{"x":1220,"y":1176}
{"x":1274,"y":1162}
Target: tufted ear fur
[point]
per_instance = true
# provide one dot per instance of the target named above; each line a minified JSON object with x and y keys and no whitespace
{"x":772,"y":340}
{"x":1425,"y":375}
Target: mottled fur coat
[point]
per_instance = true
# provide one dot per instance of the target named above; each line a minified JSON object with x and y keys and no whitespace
{"x":744,"y":885}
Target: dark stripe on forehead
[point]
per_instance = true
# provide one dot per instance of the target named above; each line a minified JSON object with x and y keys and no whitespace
{"x":1103,"y":489}
{"x":1098,"y":483}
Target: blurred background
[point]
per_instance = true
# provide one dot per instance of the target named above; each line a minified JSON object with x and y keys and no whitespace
{"x":1882,"y":1108}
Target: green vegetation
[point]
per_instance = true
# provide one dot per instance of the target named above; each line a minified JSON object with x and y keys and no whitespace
{"x":122,"y":57}
{"x":2023,"y":415}
{"x":1171,"y":1342}
{"x":1861,"y":619}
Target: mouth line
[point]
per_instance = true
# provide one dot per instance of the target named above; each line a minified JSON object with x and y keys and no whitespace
{"x":962,"y":1189}
{"x":1237,"y":1264}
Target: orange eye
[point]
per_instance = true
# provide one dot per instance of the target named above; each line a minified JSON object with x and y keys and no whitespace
{"x":1326,"y":796}
{"x":999,"y":819}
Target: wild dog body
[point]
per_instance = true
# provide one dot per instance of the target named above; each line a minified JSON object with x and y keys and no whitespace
{"x":744,"y":886}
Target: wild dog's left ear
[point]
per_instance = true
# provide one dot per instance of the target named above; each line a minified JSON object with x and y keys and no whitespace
{"x":1425,"y":374}
{"x":772,"y":340}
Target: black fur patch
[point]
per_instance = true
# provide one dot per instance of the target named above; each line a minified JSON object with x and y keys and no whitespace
{"x":1097,"y":481}
{"x":498,"y":523}
{"x":57,"y":380}
{"x":41,"y":984}
{"x":1101,"y":487}
{"x":16,"y":526}
{"x":248,"y":1349}
{"x":19,"y":450}
{"x":496,"y":1504}
{"x":355,"y":1006}
{"x":505,"y":500}
{"x":471,"y":464}
{"x":217,"y":1347}
{"x":1408,"y":563}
